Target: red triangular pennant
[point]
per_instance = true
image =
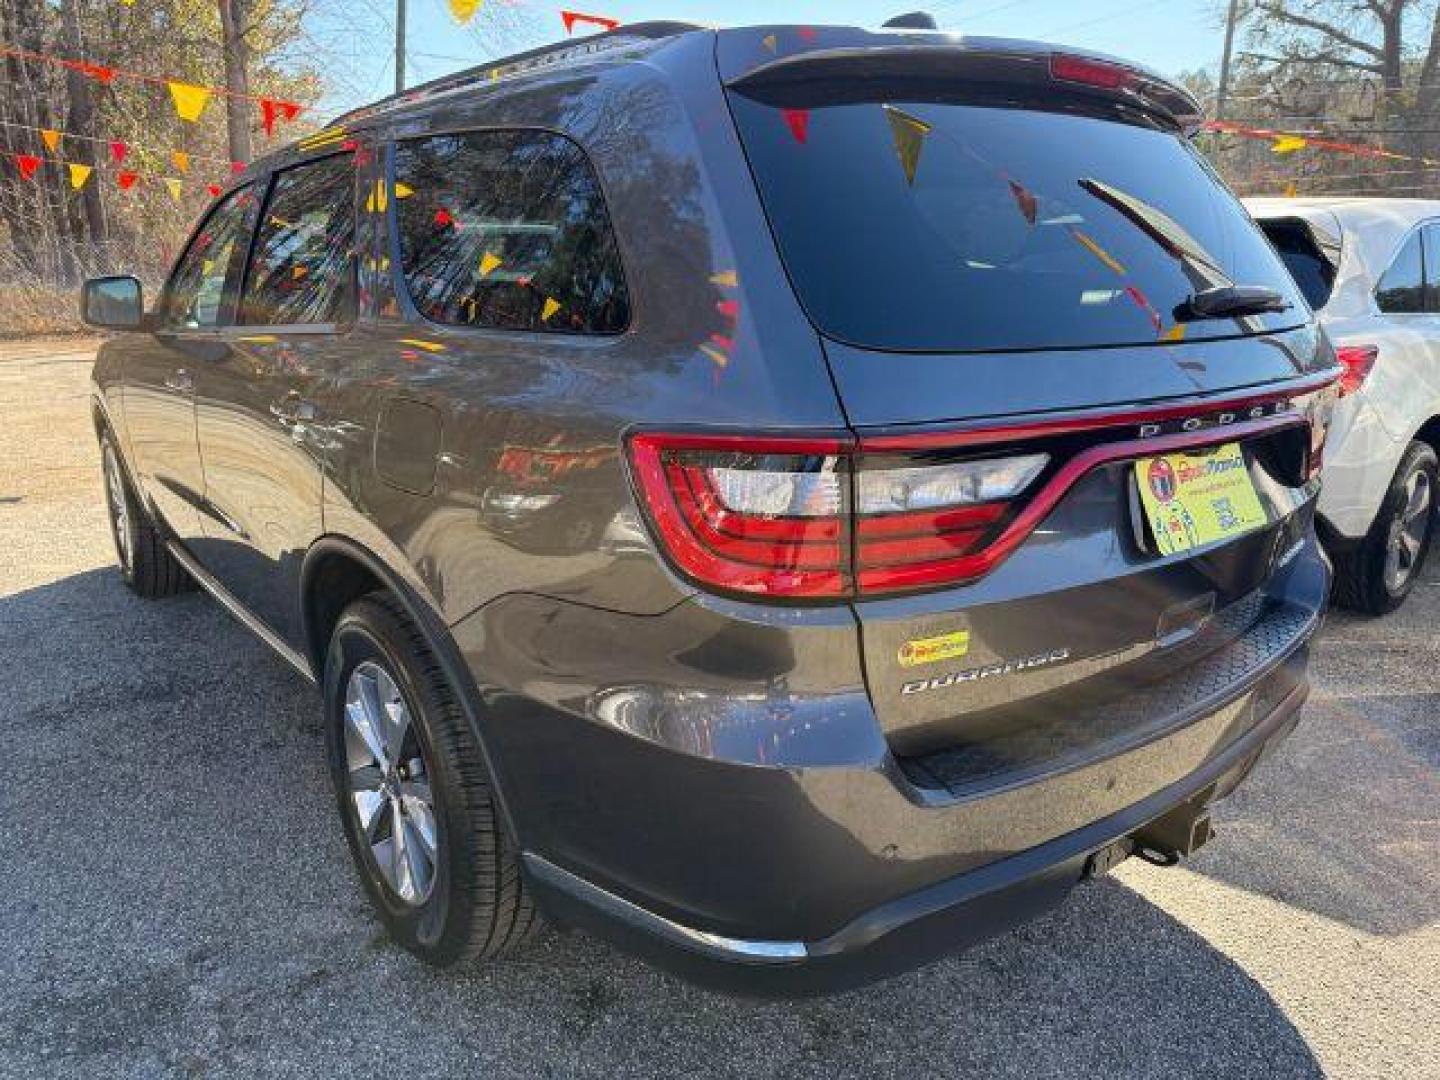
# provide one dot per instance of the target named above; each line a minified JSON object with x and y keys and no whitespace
{"x":570,"y":18}
{"x":444,"y":218}
{"x":271,"y":110}
{"x":799,"y":121}
{"x":98,"y":72}
{"x":237,"y":167}
{"x":118,"y":150}
{"x":27,"y":164}
{"x":126,"y":180}
{"x":213,"y":189}
{"x":1028,"y":204}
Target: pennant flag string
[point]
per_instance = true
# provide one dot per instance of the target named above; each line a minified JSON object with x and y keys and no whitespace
{"x":189,"y":100}
{"x":182,"y":159}
{"x":1287,"y":142}
{"x":79,"y":174}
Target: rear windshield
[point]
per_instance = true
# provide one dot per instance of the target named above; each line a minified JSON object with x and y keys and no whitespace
{"x":928,"y":225}
{"x":1312,"y":271}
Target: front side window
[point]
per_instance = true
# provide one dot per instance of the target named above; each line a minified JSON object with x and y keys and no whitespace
{"x":197,"y":293}
{"x":303,"y":264}
{"x":507,"y":230}
{"x":1402,"y":288}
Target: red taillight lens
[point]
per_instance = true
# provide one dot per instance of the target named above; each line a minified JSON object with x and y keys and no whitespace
{"x":768,"y":517}
{"x":1358,"y":361}
{"x":1087,"y":72}
{"x":792,"y":518}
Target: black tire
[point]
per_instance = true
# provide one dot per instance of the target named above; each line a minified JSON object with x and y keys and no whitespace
{"x":477,"y":905}
{"x":1365,"y":579}
{"x":145,"y":562}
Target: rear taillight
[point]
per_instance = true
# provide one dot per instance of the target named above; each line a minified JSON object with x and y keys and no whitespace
{"x":767,"y":517}
{"x":924,"y":524}
{"x":797,"y":517}
{"x":1358,"y":361}
{"x":840,"y":517}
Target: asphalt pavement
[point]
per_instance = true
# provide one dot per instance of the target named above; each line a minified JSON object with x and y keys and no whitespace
{"x":177,"y":899}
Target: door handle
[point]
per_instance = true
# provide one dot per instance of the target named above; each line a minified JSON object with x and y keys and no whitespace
{"x":181,"y":381}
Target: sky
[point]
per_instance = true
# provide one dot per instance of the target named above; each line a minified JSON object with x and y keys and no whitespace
{"x":357,"y":39}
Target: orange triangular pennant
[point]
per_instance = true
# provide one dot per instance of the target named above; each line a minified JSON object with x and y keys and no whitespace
{"x":50,"y":138}
{"x":181,"y":160}
{"x":464,"y":10}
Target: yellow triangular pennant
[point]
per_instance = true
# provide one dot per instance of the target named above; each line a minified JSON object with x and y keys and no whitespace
{"x":1288,"y":144}
{"x":769,"y":41}
{"x":726,"y":278}
{"x":181,"y":160}
{"x":173,"y":186}
{"x":488,"y":263}
{"x":464,"y":10}
{"x":548,"y":311}
{"x":403,"y":191}
{"x":51,"y":139}
{"x":78,"y":174}
{"x":909,"y":134}
{"x":190,"y":101}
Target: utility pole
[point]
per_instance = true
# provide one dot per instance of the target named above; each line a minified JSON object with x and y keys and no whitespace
{"x":1222,"y":92}
{"x":400,"y":45}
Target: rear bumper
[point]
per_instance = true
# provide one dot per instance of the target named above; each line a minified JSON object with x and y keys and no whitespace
{"x":765,"y":839}
{"x":913,"y":929}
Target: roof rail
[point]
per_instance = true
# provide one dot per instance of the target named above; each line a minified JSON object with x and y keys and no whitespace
{"x":559,"y":53}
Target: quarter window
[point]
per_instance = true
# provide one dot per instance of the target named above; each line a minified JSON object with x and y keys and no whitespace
{"x":197,"y":293}
{"x":303,"y":263}
{"x":1402,"y":288}
{"x":507,"y":230}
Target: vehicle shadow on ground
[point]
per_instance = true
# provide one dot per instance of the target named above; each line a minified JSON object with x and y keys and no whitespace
{"x":180,"y":899}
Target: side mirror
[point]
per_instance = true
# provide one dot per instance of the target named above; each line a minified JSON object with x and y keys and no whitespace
{"x":113,"y":303}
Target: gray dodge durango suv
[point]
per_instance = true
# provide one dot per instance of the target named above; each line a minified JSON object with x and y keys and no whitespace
{"x":793,"y":500}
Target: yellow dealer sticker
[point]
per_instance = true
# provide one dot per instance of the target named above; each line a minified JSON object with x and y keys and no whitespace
{"x":931,"y":649}
{"x":1191,"y":500}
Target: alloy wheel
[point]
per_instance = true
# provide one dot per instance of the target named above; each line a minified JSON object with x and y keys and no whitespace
{"x":1408,"y":531}
{"x":390,"y":783}
{"x":119,"y":507}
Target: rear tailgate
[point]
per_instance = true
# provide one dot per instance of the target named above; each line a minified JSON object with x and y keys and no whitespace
{"x":1002,"y":264}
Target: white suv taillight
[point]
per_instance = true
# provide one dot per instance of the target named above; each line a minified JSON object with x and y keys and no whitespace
{"x":1358,"y":361}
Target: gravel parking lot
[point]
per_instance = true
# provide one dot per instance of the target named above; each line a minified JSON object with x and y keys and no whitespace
{"x":177,"y":897}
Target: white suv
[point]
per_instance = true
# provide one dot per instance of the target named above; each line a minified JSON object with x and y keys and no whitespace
{"x":1371,"y":270}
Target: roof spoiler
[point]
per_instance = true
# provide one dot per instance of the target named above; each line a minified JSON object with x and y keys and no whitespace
{"x":981,"y":61}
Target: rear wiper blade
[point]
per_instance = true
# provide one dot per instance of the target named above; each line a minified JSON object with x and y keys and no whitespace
{"x":1230,"y":302}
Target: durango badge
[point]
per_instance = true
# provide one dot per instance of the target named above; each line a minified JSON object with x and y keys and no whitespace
{"x":933,"y":649}
{"x":988,"y":671}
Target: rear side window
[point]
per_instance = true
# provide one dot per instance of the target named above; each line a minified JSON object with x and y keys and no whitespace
{"x":303,"y":263}
{"x":1402,"y":287}
{"x":197,"y":295}
{"x":929,"y":223}
{"x":1308,"y":265}
{"x":507,"y":230}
